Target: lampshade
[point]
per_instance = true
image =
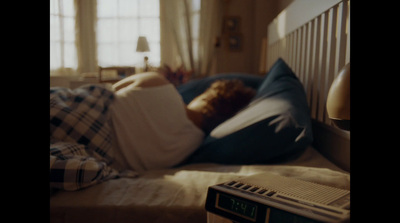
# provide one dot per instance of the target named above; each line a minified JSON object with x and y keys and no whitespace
{"x":142,"y":44}
{"x":338,"y":100}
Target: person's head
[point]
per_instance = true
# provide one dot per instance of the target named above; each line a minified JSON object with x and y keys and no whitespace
{"x":220,"y":101}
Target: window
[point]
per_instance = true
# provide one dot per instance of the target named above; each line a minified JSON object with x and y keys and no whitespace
{"x":119,"y":24}
{"x":62,"y":36}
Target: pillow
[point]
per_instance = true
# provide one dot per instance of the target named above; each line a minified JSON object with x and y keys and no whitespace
{"x":278,"y":70}
{"x":276,"y":123}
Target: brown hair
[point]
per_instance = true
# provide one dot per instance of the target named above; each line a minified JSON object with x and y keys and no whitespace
{"x":229,"y":96}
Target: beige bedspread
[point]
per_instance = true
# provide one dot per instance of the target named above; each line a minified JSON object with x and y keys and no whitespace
{"x":177,"y":195}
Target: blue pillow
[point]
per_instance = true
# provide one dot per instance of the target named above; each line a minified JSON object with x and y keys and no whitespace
{"x":278,"y":70}
{"x":276,"y":123}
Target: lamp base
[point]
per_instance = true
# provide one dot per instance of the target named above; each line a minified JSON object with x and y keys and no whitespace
{"x":342,"y":124}
{"x":146,"y":63}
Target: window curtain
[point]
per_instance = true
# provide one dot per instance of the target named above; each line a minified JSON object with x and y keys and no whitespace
{"x":193,"y":26}
{"x":210,"y":29}
{"x":85,"y":23}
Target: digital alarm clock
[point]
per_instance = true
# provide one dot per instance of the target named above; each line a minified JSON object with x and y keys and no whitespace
{"x":268,"y":197}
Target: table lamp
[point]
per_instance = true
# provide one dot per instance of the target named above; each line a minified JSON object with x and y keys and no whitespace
{"x":143,"y":46}
{"x":338,"y":100}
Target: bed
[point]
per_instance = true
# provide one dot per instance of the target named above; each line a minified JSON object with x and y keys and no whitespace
{"x":295,"y":138}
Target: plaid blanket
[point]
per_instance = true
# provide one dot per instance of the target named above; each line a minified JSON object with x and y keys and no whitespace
{"x":80,"y":137}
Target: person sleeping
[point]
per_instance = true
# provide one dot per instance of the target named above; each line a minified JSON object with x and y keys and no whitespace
{"x":155,"y":129}
{"x":139,"y":123}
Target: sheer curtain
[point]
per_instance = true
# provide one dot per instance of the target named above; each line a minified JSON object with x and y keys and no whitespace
{"x":193,"y":26}
{"x":86,"y":16}
{"x":209,"y":30}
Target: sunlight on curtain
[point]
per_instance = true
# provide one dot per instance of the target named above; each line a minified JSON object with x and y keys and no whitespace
{"x":193,"y":25}
{"x":63,"y":55}
{"x":194,"y":11}
{"x":119,"y":24}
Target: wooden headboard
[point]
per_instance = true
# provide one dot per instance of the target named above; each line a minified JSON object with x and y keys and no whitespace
{"x":313,"y":37}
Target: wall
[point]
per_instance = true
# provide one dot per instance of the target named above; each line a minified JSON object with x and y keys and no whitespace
{"x":255,"y":17}
{"x":231,"y":61}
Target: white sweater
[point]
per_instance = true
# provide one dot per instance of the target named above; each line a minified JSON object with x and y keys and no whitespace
{"x":152,"y":128}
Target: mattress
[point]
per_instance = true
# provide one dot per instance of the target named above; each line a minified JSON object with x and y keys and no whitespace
{"x":178,"y":194}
